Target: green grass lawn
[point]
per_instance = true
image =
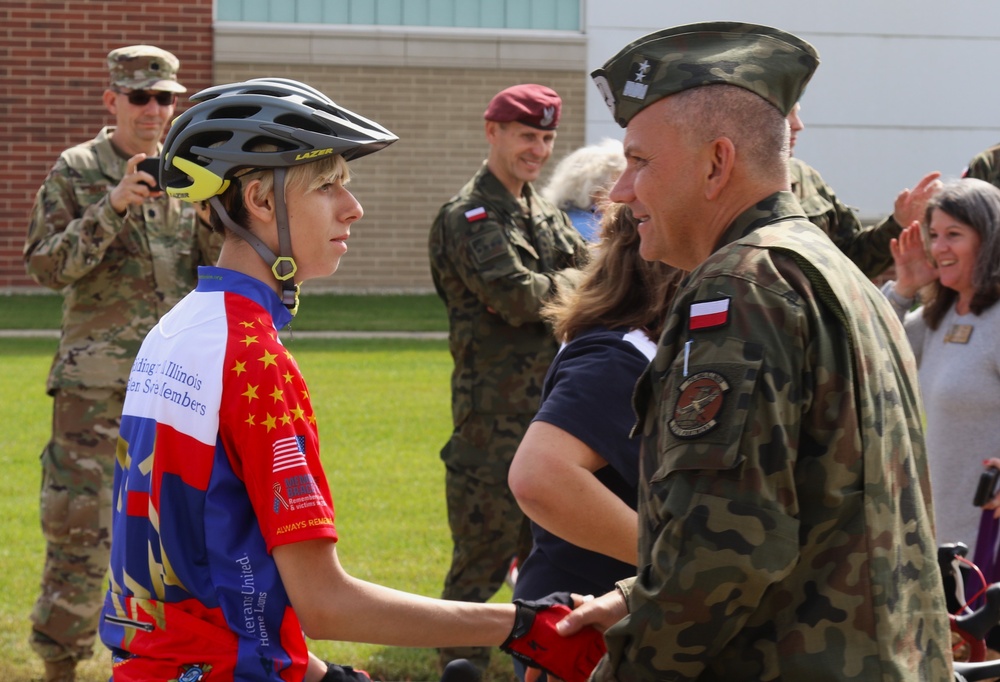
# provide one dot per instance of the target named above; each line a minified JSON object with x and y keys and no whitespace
{"x":317,"y":312}
{"x":383,"y":411}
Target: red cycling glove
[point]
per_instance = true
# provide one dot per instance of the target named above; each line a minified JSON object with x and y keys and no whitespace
{"x":534,"y":641}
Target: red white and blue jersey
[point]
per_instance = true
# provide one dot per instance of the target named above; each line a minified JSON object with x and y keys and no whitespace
{"x":217,"y":463}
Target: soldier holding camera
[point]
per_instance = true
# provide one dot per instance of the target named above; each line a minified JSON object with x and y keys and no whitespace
{"x":122,"y":253}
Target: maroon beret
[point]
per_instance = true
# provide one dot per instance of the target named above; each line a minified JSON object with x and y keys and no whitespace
{"x":531,"y":104}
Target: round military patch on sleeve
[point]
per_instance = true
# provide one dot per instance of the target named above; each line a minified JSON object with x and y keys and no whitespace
{"x":699,"y":401}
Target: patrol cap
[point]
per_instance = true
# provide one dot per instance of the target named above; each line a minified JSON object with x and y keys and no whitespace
{"x":767,"y":61}
{"x":144,"y":67}
{"x":531,"y":104}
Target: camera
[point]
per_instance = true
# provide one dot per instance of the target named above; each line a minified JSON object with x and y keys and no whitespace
{"x":151,"y":165}
{"x":987,"y":488}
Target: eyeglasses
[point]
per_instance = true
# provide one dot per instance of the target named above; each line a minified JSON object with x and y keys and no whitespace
{"x":140,"y":98}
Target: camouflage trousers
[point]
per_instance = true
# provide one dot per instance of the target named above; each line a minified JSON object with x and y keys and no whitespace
{"x":75,"y":510}
{"x":488,"y":528}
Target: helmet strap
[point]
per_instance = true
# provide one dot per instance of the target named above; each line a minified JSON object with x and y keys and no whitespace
{"x":282,"y":267}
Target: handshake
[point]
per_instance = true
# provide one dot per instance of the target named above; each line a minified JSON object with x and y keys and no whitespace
{"x":534,"y":641}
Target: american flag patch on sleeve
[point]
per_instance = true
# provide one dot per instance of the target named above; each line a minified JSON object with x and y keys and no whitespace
{"x":289,"y":453}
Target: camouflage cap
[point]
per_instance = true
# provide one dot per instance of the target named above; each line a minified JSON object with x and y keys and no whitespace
{"x":144,"y":67}
{"x":769,"y":62}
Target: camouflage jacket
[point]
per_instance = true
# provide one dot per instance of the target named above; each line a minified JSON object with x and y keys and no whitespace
{"x":868,"y":247}
{"x":785,"y":527}
{"x":985,"y":166}
{"x":118,"y":274}
{"x":494,"y":266}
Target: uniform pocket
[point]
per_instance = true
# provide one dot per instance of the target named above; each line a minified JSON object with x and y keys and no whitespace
{"x":704,"y":410}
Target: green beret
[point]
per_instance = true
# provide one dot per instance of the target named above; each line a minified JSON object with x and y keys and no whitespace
{"x":769,"y":62}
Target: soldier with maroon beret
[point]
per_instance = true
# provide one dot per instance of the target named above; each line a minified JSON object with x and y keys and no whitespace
{"x":498,"y":251}
{"x":533,"y":105}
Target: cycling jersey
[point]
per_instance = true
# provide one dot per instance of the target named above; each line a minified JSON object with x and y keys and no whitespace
{"x":218,"y":463}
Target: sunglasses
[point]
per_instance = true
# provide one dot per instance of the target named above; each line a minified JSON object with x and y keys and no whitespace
{"x":140,"y":98}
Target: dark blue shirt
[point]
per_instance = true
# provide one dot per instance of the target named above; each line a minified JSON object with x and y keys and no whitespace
{"x":587,"y":393}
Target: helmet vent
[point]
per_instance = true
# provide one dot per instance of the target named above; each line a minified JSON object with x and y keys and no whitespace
{"x":260,"y":123}
{"x":301,"y":123}
{"x":237,"y":112}
{"x":268,"y":145}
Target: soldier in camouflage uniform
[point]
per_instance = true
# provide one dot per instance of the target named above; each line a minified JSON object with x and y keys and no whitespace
{"x":785,"y":527}
{"x":122,"y":256}
{"x":985,"y":166}
{"x":498,"y":250}
{"x":868,"y":246}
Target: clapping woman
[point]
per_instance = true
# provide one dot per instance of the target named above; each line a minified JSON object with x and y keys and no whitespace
{"x":952,"y":262}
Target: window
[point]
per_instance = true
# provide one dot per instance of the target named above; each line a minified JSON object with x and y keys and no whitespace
{"x":549,"y":15}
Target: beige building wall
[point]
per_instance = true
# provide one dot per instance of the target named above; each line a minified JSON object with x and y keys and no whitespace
{"x":433,"y":102}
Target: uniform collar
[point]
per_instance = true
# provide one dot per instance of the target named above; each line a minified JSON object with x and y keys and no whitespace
{"x":487,"y":183}
{"x":776,"y":207}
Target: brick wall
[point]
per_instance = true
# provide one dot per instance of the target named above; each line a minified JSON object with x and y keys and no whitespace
{"x":437,"y":114}
{"x":53,"y":70}
{"x":52,"y":62}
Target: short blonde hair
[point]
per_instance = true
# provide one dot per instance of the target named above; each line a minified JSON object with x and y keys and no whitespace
{"x":305,"y":175}
{"x":308,"y":175}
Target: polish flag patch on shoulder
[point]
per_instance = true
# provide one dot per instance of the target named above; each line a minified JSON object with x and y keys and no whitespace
{"x":472,"y":215}
{"x":708,"y":314}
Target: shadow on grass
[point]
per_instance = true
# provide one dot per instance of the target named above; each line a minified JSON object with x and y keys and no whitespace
{"x":421,"y":665}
